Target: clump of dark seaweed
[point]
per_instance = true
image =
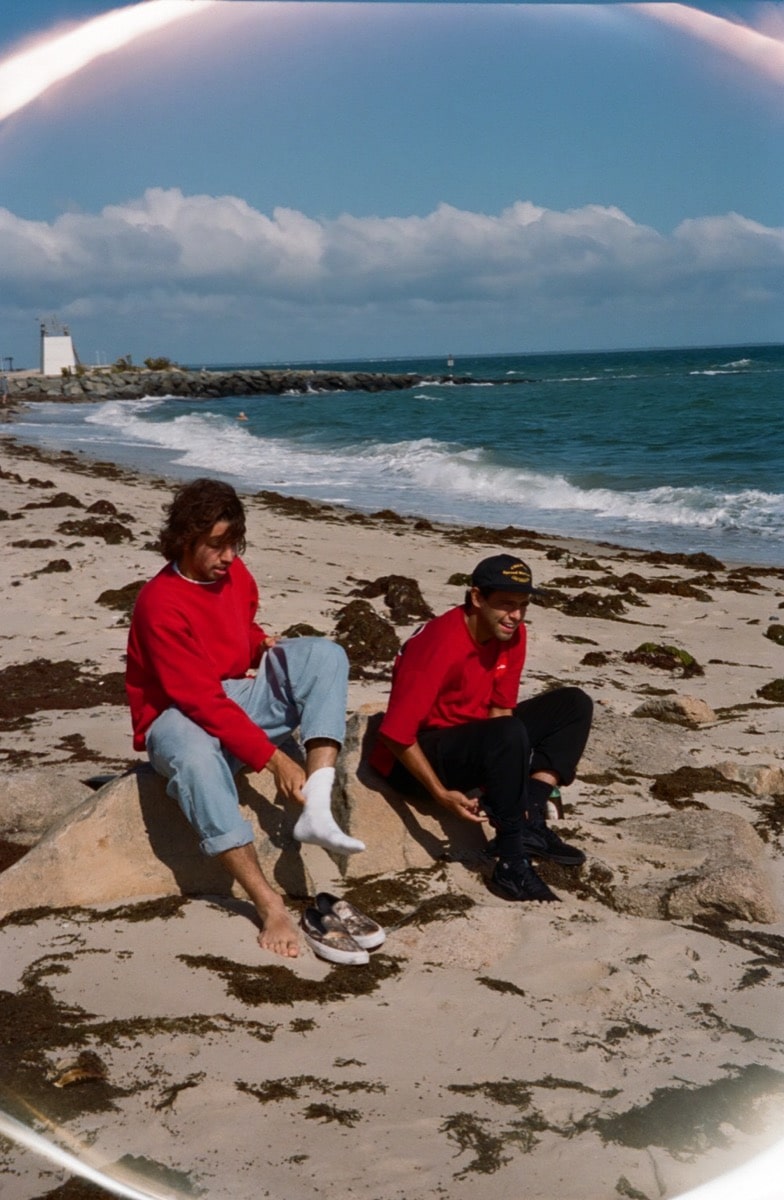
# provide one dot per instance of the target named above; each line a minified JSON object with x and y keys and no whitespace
{"x":664,"y":658}
{"x":278,"y":985}
{"x":682,"y":783}
{"x":689,"y":1120}
{"x":121,"y":599}
{"x":112,"y":532}
{"x":367,"y":638}
{"x":401,"y":595}
{"x":31,"y":687}
{"x":302,"y":629}
{"x":585,"y":604}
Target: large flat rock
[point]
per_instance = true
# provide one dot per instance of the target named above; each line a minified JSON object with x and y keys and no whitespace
{"x":130,"y":840}
{"x":681,"y":865}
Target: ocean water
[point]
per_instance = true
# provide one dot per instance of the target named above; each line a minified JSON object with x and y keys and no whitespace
{"x":677,"y":450}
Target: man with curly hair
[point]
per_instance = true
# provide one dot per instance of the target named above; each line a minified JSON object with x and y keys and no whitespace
{"x":210,"y":691}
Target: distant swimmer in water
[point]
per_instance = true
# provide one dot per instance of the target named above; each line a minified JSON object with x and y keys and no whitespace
{"x":241,"y":416}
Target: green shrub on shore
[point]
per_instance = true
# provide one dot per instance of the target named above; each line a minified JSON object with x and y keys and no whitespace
{"x":159,"y":364}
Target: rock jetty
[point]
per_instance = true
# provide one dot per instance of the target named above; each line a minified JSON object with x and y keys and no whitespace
{"x":135,"y":384}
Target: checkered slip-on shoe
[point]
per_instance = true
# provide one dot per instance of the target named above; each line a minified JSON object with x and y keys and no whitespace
{"x":366,"y":932}
{"x":329,"y":939}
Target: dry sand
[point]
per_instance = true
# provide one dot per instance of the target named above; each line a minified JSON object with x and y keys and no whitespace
{"x":567,"y":1051}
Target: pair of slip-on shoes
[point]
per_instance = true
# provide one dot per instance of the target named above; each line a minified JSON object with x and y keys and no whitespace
{"x":337,"y":931}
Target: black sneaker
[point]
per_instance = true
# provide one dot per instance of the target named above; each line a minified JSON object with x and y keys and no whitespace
{"x":518,"y":880}
{"x":544,"y":842}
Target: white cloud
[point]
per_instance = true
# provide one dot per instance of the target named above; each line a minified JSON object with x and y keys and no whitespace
{"x":176,"y":256}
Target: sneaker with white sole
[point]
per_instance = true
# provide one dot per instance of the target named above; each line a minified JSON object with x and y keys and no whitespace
{"x":328,"y":937}
{"x":366,"y":932}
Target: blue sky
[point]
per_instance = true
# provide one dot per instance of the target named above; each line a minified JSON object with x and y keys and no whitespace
{"x":283,"y":181}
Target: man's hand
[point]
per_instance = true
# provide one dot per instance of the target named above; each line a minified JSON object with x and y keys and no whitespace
{"x":288,"y":775}
{"x":462,"y":806}
{"x":414,"y":760}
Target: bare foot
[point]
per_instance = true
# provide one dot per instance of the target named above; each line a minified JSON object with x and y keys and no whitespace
{"x":278,"y":933}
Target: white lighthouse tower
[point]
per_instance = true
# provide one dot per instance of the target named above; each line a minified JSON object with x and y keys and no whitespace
{"x":57,"y":349}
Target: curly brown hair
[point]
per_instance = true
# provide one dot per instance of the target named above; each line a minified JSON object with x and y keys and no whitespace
{"x":195,"y":509}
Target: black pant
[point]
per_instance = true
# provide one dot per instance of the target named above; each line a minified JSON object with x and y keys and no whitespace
{"x":546,"y":733}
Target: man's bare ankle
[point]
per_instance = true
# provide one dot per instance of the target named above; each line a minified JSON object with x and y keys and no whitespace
{"x":274,"y":907}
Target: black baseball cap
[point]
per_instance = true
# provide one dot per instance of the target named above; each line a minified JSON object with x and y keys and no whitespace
{"x":504,"y":573}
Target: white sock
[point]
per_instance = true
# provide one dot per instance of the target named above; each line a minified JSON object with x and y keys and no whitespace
{"x":317,"y":825}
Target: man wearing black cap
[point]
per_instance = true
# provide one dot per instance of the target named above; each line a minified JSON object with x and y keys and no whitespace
{"x":453,"y":724}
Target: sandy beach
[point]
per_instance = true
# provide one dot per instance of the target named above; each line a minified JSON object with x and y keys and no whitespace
{"x":627,"y":1042}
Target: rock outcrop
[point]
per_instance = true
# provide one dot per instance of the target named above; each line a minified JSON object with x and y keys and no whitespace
{"x":762,"y":779}
{"x":129,"y":840}
{"x":677,"y":710}
{"x":680,"y":865}
{"x":32,"y":800}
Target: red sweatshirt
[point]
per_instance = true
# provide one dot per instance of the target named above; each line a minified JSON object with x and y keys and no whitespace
{"x":185,"y":638}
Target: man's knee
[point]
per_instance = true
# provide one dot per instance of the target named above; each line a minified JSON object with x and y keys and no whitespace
{"x":580,"y":703}
{"x":330,"y":654}
{"x":507,"y":733}
{"x":311,"y":656}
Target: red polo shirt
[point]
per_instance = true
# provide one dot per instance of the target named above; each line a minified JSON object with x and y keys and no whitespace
{"x":443,"y":677}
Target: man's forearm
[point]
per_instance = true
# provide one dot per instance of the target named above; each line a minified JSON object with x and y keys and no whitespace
{"x":415,"y":761}
{"x":413,"y":758}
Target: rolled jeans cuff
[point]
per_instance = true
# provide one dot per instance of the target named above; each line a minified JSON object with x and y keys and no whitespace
{"x":240,"y":835}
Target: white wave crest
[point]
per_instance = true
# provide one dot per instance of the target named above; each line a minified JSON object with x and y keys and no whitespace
{"x":429,"y":475}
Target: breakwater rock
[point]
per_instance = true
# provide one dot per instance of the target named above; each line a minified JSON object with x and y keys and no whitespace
{"x":135,"y":384}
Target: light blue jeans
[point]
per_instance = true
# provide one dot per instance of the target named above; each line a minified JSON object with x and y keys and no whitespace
{"x":301,"y":684}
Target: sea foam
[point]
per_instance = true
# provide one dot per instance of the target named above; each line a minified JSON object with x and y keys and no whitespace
{"x":446,"y":480}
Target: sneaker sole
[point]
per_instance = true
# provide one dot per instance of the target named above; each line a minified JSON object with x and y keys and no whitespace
{"x":346,"y":958}
{"x":563,"y":859}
